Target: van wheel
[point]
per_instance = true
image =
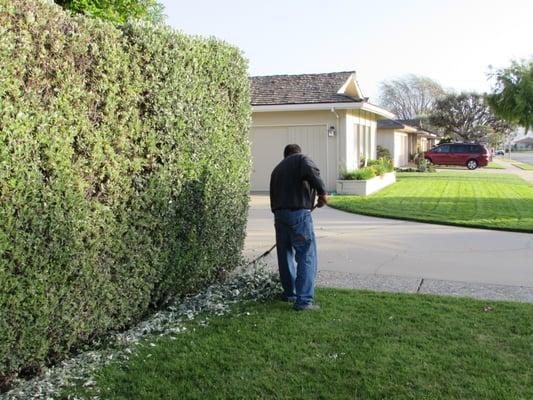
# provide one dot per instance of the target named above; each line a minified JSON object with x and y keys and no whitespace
{"x":428,"y":160}
{"x":471,"y":164}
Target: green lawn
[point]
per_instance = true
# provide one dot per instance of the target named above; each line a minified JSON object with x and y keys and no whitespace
{"x":523,"y":165}
{"x":360,"y":345}
{"x":486,"y":200}
{"x":494,"y":165}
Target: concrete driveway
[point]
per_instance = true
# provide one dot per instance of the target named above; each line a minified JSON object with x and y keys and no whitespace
{"x":374,"y":253}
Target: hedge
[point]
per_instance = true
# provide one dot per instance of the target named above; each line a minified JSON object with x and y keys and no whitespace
{"x":124,"y":174}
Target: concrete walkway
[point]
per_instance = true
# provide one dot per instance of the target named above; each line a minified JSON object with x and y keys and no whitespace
{"x":363,"y":252}
{"x":526,"y":175}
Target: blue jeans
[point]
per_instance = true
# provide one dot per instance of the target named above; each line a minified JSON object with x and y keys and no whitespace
{"x":297,"y":258}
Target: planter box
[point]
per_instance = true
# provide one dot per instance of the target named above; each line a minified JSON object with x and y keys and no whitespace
{"x":364,"y":188}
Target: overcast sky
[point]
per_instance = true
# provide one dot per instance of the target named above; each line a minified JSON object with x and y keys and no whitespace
{"x":451,"y":41}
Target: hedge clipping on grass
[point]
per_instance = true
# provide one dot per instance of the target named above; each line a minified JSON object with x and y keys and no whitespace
{"x":124,"y":168}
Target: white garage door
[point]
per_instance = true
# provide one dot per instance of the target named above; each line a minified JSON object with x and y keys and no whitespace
{"x":268,"y":143}
{"x":401,"y":156}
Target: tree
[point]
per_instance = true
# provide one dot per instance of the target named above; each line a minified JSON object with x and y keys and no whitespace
{"x":118,"y":11}
{"x":512,"y":97}
{"x":410,"y":96}
{"x":467,"y":116}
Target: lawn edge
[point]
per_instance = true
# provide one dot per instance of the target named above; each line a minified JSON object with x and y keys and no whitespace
{"x":523,"y":166}
{"x":432,"y":221}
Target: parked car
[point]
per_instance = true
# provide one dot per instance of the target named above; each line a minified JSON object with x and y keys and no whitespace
{"x":467,"y":154}
{"x":499,"y":153}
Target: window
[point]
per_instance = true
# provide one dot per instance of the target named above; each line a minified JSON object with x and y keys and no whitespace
{"x":461,"y":148}
{"x":445,"y":148}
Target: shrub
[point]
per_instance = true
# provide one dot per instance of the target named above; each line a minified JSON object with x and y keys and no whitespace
{"x":360,"y":174}
{"x":117,"y":10}
{"x":381,"y":166}
{"x":383,"y":152}
{"x":374,"y":168}
{"x":124,"y":167}
{"x":423,"y":165}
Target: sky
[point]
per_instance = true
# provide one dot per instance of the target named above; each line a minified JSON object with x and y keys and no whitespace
{"x":451,"y":41}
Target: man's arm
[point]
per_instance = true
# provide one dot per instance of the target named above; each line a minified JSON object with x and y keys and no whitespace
{"x":322,"y":200}
{"x":311,"y":174}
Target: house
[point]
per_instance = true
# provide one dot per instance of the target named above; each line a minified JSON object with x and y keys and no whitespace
{"x":326,"y":114}
{"x":404,"y":139}
{"x":524,"y":143}
{"x":425,"y":138}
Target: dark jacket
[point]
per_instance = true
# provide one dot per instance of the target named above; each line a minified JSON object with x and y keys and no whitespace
{"x":294,"y":184}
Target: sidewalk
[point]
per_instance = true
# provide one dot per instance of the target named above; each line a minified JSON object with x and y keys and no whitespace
{"x":510,"y":168}
{"x":402,"y":284}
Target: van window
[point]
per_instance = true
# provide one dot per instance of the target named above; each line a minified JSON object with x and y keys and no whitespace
{"x":445,"y":148}
{"x":461,"y":148}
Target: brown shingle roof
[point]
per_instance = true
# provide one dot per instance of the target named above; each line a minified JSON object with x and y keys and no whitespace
{"x":402,"y":123}
{"x":300,"y":89}
{"x":390,"y":124}
{"x":525,"y":140}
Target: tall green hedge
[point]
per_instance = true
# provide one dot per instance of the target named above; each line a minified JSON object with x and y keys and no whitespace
{"x":124,"y":167}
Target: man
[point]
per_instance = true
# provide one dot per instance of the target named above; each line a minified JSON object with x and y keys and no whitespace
{"x":294,"y":185}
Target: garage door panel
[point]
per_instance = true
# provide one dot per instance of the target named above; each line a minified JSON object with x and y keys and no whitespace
{"x":268,"y":144}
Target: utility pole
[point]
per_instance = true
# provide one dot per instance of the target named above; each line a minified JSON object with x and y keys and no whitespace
{"x":510,"y":138}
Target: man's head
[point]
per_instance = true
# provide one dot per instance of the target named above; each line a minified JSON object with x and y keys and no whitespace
{"x":291,"y":149}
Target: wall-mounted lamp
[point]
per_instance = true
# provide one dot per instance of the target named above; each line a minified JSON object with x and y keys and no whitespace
{"x":331,"y":131}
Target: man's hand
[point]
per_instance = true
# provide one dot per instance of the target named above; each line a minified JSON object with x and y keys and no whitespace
{"x":322,"y":200}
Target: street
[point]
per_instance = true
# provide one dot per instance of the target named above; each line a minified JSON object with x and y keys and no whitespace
{"x":525,"y":157}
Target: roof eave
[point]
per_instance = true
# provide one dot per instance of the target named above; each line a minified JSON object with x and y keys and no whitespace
{"x":360,"y":105}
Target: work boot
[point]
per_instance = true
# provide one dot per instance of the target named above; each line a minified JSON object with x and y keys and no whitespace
{"x":287,"y":299}
{"x":306,"y":307}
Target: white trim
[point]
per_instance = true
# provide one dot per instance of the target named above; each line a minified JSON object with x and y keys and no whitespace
{"x":288,"y":125}
{"x":426,"y":134}
{"x":377,"y":110}
{"x":351,"y":80}
{"x":326,"y":106}
{"x":345,"y":86}
{"x":407,"y":129}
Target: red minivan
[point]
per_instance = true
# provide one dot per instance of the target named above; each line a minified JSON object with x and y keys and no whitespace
{"x":467,"y":154}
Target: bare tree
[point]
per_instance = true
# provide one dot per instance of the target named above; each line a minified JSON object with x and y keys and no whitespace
{"x":467,"y":116}
{"x":410,"y":96}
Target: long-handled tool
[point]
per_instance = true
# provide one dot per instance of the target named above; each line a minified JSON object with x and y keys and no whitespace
{"x":266,"y":253}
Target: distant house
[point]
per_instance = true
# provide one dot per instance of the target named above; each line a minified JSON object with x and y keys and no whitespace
{"x":403,"y":139}
{"x":326,"y":114}
{"x":524,"y":143}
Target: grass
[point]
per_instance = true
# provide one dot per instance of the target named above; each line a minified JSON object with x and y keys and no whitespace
{"x":360,"y":345}
{"x":484,"y":200}
{"x":523,"y":166}
{"x":494,"y":165}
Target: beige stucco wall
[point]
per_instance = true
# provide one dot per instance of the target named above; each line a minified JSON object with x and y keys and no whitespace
{"x":423,"y":144}
{"x":395,"y":141}
{"x":417,"y":143}
{"x":385,"y":138}
{"x":413,"y":144}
